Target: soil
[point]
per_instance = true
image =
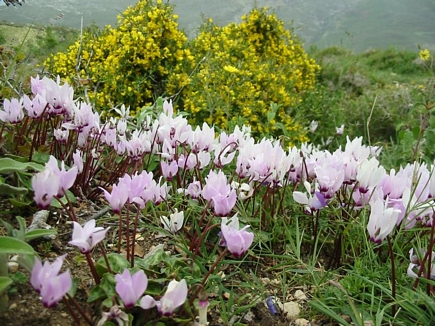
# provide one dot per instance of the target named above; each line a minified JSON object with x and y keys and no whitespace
{"x":25,"y":306}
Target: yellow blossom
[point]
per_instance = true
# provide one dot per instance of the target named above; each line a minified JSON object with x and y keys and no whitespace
{"x":424,"y":54}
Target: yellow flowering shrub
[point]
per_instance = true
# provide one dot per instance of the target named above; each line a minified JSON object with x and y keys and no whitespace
{"x":130,"y":64}
{"x":243,"y":68}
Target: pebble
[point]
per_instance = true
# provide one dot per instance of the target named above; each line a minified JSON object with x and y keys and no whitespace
{"x":13,"y":306}
{"x":265,"y":280}
{"x":12,"y":266}
{"x":291,"y":310}
{"x":302,"y":322}
{"x":249,"y":316}
{"x":300,"y":295}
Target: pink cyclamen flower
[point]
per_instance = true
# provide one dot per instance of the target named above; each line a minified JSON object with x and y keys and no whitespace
{"x":117,"y":198}
{"x":131,"y":287}
{"x":237,"y":241}
{"x":219,"y":192}
{"x":86,"y":237}
{"x":169,"y":170}
{"x":78,"y":160}
{"x":12,"y":111}
{"x":115,"y":313}
{"x":47,"y":281}
{"x":382,"y":220}
{"x":45,"y":184}
{"x":174,"y":297}
{"x":66,"y":178}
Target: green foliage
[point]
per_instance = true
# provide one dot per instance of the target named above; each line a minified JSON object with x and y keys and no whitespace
{"x":370,"y":93}
{"x":393,"y":61}
{"x":15,"y":179}
{"x":19,"y":60}
{"x":22,"y":234}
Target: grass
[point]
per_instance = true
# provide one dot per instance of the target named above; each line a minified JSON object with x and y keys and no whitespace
{"x":23,"y":49}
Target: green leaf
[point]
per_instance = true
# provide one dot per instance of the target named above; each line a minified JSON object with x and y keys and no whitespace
{"x":9,"y":245}
{"x":4,"y":283}
{"x":9,"y":228}
{"x":324,"y":309}
{"x":75,"y":284}
{"x":20,"y":203}
{"x":117,"y":263}
{"x":6,"y":189}
{"x":96,"y":293}
{"x":154,"y":258}
{"x":108,"y":284}
{"x":34,"y":234}
{"x":8,"y":165}
{"x":27,"y":261}
{"x":19,"y":278}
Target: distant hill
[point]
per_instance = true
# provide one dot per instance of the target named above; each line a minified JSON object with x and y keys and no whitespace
{"x":355,"y":24}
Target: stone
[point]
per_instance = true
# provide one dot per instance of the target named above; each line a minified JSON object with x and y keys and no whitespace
{"x":302,"y":322}
{"x":299,"y":295}
{"x":291,"y":310}
{"x":12,"y":266}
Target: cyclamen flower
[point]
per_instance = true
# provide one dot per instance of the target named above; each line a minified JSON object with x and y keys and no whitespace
{"x":219,"y":192}
{"x":313,"y":126}
{"x":237,"y":241}
{"x":312,"y":203}
{"x":174,"y":222}
{"x":169,"y":170}
{"x":78,"y":160}
{"x":339,"y":130}
{"x":45,"y":184}
{"x":174,"y":297}
{"x":66,"y":178}
{"x":88,"y":236}
{"x":12,"y":111}
{"x":415,"y":262}
{"x":34,"y":107}
{"x":117,"y":198}
{"x":115,"y":313}
{"x":382,"y":220}
{"x":131,"y":287}
{"x":47,"y":281}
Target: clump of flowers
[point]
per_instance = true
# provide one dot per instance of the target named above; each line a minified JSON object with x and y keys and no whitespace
{"x":243,"y":68}
{"x":130,"y":64}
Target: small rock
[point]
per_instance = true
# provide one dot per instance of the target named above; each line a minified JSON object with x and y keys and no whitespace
{"x":13,"y":306}
{"x":275,"y":281}
{"x":64,"y":314}
{"x":291,"y":310}
{"x":12,"y":266}
{"x":300,"y":295}
{"x":249,"y":316}
{"x":265,"y":280}
{"x":302,"y":322}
